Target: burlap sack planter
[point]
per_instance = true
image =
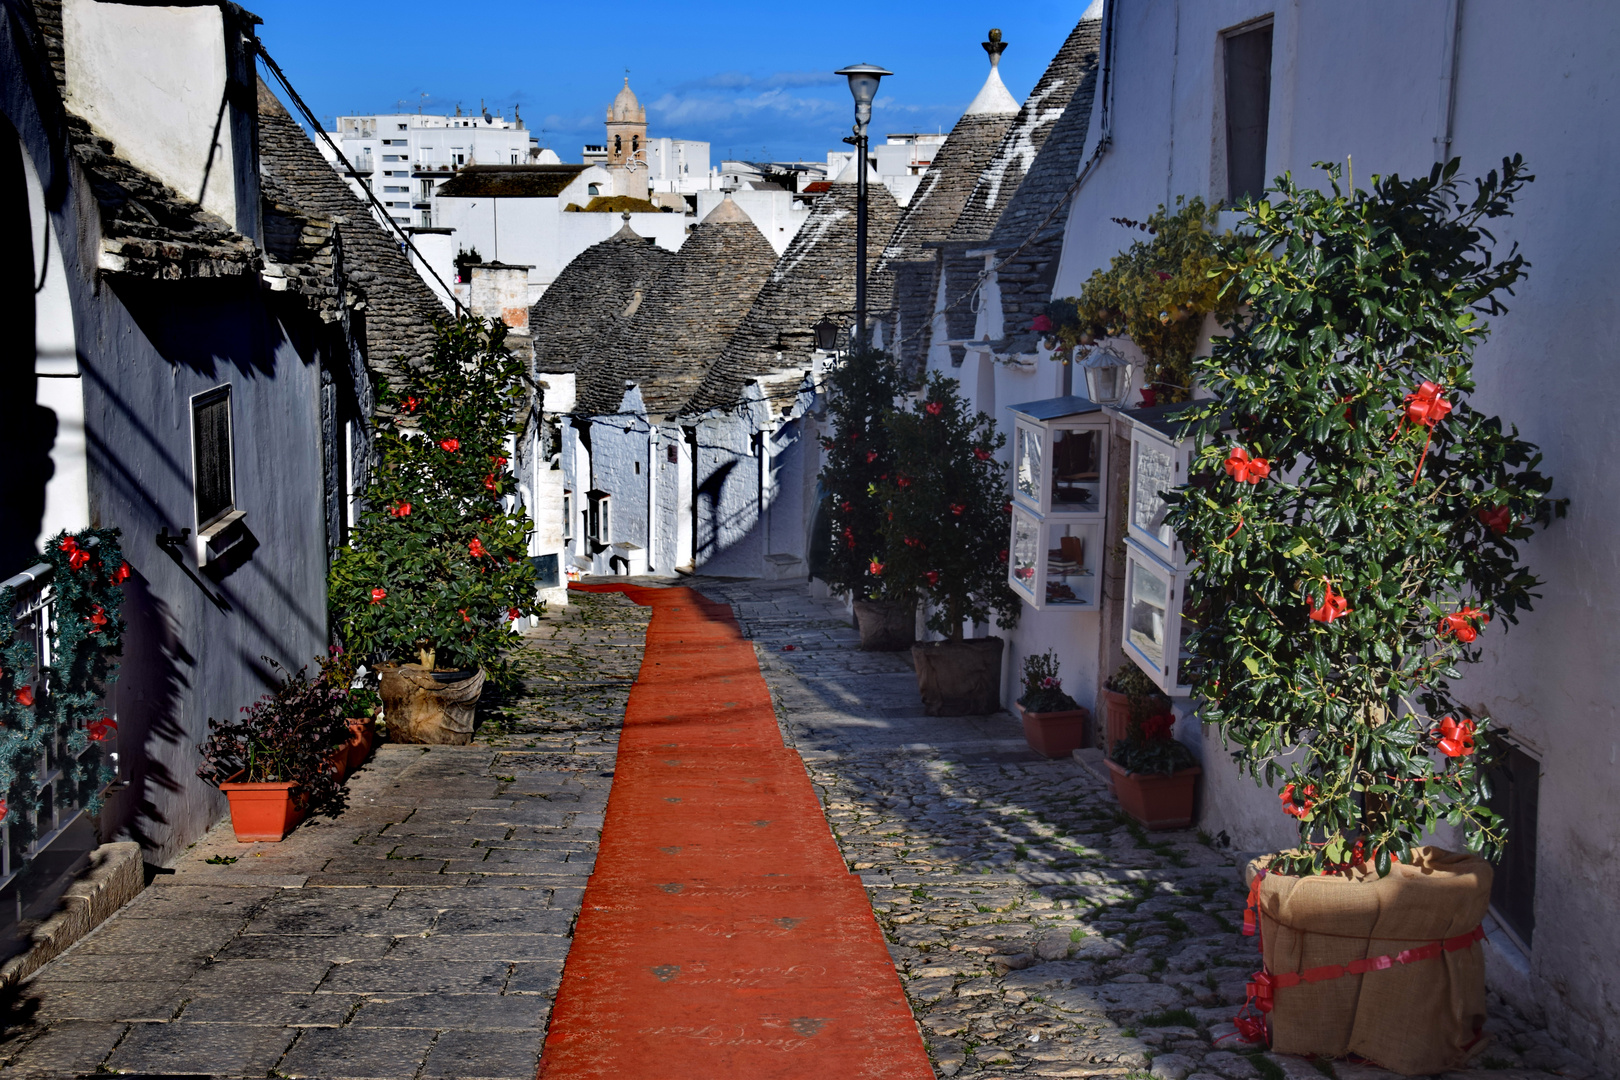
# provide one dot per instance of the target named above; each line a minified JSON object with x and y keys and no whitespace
{"x":959,"y":678}
{"x":436,"y":707}
{"x":886,"y":625}
{"x":1421,"y":1011}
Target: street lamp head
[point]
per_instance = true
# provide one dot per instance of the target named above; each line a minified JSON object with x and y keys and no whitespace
{"x":863,"y":86}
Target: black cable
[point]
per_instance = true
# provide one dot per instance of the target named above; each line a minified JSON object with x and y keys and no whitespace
{"x":315,"y":125}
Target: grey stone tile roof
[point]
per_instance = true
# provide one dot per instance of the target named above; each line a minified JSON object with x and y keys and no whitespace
{"x":604,"y":285}
{"x":686,"y":318}
{"x":399,"y":309}
{"x":945,"y":187}
{"x":512,"y":181}
{"x":1035,"y":122}
{"x":815,"y":276}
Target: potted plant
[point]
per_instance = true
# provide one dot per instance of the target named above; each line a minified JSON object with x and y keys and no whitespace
{"x":1357,"y":539}
{"x":362,"y":712}
{"x":437,"y":566}
{"x":276,"y":763}
{"x":1054,"y":723}
{"x":945,"y":531}
{"x":1125,"y":694}
{"x":1155,"y":775}
{"x":862,"y":390}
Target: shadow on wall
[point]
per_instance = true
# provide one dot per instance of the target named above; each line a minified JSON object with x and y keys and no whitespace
{"x":30,"y":432}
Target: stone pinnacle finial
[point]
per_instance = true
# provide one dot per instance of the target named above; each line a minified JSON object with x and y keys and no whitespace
{"x":995,"y":46}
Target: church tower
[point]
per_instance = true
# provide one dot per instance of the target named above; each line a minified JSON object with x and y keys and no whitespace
{"x":627,"y":144}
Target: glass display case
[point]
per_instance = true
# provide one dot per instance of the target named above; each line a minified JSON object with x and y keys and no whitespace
{"x":1060,"y":450}
{"x":1056,"y":561}
{"x":1160,"y":459}
{"x":1158,"y":620}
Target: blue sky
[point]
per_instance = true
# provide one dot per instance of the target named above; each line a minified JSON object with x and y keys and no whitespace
{"x":752,"y":79}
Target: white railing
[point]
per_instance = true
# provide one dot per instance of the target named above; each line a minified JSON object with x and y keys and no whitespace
{"x":34,"y":618}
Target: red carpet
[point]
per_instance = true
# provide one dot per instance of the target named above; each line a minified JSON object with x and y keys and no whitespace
{"x":722,"y":935}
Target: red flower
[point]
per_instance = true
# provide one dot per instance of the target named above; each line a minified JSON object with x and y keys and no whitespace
{"x":844,"y":506}
{"x":98,"y":619}
{"x":1002,"y":555}
{"x":1163,"y":275}
{"x":934,"y":408}
{"x":875,"y":568}
{"x":1302,"y":807}
{"x":1158,"y":727}
{"x":1041,"y":324}
{"x":25,"y":696}
{"x":121,"y":575}
{"x":411,"y":404}
{"x":912,"y":541}
{"x":1460,"y":624}
{"x":1456,"y":737}
{"x":400,"y":509}
{"x":932,"y":577}
{"x":1333,"y":606}
{"x":1498,"y":520}
{"x":903,"y":480}
{"x":464,"y":616}
{"x":377,"y":595}
{"x":1006,"y":507}
{"x":101,"y":729}
{"x":957,"y":509}
{"x":489,"y":481}
{"x":1244,"y":469}
{"x":476,"y":548}
{"x":513,"y":613}
{"x":871,"y":456}
{"x":450,"y":446}
{"x":500,"y":462}
{"x":981,"y":453}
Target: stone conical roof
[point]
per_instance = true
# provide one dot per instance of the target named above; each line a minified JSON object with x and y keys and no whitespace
{"x":815,"y":276}
{"x":604,"y":285}
{"x":686,"y":318}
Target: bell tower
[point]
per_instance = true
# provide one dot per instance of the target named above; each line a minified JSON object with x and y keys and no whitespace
{"x":627,"y":143}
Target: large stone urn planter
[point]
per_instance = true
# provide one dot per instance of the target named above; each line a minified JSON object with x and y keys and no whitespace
{"x":959,"y":678}
{"x":1388,"y":968}
{"x":1056,"y":734}
{"x":435,"y":707}
{"x":886,"y":625}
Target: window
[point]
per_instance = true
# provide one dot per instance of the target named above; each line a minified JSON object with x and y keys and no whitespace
{"x":400,"y":189}
{"x":514,"y":159}
{"x":593,"y":190}
{"x":402,"y":127}
{"x":1248,"y":106}
{"x":598,"y":520}
{"x":391,"y":157}
{"x":568,"y":515}
{"x":213,"y":478}
{"x":1515,"y":792}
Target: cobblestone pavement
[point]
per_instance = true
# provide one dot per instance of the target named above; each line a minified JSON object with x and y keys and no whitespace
{"x":1039,"y":933}
{"x":420,"y":934}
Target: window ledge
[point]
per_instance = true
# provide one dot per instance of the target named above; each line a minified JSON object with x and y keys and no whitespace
{"x":218,"y":538}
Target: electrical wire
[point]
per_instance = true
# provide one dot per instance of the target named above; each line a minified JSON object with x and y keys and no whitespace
{"x":382,"y":211}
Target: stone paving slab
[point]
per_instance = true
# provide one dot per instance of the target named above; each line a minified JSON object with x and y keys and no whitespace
{"x":1039,"y":933}
{"x":421,"y":933}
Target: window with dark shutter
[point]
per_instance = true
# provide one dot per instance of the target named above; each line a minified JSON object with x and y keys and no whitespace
{"x":1248,"y":108}
{"x":1515,"y":792}
{"x":212,"y":478}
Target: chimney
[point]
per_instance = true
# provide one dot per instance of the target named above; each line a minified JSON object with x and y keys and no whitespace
{"x":501,"y":291}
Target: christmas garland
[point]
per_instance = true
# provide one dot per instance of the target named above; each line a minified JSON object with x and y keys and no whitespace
{"x":53,"y":713}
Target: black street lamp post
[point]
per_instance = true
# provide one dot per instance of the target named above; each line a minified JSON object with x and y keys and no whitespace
{"x":863,"y":85}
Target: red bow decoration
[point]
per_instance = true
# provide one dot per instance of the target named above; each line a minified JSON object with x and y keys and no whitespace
{"x":1244,"y":469}
{"x":377,"y":595}
{"x":1001,"y":556}
{"x":98,"y":619}
{"x":1460,"y":624}
{"x":1456,"y":737}
{"x":121,"y":575}
{"x":25,"y":696}
{"x":1334,"y":606}
{"x":450,"y":446}
{"x":1041,"y":324}
{"x":77,"y":556}
{"x":1498,"y":520}
{"x":1427,"y":405}
{"x":957,"y":509}
{"x":1301,"y":807}
{"x":476,"y":548}
{"x":844,"y":506}
{"x":102,"y":729}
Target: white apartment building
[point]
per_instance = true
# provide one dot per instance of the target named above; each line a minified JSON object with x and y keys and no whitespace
{"x":403,"y":157}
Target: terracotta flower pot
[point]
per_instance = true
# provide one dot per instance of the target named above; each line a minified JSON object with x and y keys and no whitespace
{"x":886,"y":625}
{"x":1420,"y":1007}
{"x":430,"y":706}
{"x":959,"y":678}
{"x":337,"y":762}
{"x":362,"y":737}
{"x":1116,"y":720}
{"x":263,"y":811}
{"x":1056,"y":734}
{"x":1157,"y":800}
